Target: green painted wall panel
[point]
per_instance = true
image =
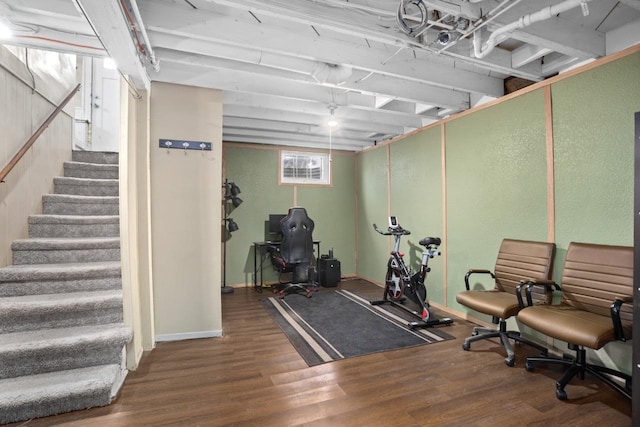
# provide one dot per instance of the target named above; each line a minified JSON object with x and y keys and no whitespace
{"x":333,"y":211}
{"x":416,"y":199}
{"x":255,"y":171}
{"x":373,"y":249}
{"x":496,"y":184}
{"x":593,"y":150}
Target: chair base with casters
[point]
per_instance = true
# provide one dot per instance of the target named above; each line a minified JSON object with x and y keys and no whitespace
{"x":482,"y":333}
{"x":302,"y":281}
{"x":578,"y":366}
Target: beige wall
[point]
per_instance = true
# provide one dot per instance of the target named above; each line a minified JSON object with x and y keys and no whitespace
{"x":185,"y":212}
{"x":134,"y":305}
{"x":145,"y":273}
{"x":22,"y":111}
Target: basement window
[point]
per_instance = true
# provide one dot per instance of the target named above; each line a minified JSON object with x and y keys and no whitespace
{"x":297,"y":167}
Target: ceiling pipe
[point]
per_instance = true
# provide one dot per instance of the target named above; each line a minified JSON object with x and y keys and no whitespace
{"x":481,"y":50}
{"x":152,"y":56}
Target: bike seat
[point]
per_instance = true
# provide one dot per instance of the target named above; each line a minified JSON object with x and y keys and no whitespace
{"x":428,"y":241}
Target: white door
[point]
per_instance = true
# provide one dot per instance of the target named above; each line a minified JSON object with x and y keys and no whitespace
{"x":105,"y":113}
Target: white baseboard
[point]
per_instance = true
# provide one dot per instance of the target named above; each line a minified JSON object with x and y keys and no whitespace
{"x":188,"y":336}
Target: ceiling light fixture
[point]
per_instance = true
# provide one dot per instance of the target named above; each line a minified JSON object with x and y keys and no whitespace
{"x":332,"y":120}
{"x":332,"y":123}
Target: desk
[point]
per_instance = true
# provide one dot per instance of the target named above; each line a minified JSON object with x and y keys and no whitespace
{"x":258,"y":248}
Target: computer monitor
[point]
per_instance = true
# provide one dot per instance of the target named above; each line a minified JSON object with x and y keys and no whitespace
{"x":275,"y":232}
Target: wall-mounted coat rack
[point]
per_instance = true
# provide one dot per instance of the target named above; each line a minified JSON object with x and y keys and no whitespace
{"x":185,"y":145}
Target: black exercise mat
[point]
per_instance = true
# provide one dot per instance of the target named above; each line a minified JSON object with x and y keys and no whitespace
{"x":340,"y":324}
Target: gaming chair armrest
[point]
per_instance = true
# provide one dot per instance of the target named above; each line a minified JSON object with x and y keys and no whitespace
{"x":470,"y":272}
{"x":549,"y":286}
{"x":615,"y":316}
{"x":272,"y":248}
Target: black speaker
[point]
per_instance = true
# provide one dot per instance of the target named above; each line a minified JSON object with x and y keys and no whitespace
{"x":328,"y":272}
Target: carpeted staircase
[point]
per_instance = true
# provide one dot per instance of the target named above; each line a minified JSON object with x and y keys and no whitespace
{"x":62,"y":334}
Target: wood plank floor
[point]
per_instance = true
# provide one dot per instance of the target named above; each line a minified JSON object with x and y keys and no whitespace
{"x":252,"y":376}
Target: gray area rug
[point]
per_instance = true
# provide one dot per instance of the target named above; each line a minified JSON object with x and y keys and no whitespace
{"x":340,"y":324}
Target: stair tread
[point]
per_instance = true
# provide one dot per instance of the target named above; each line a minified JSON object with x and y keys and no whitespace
{"x":61,"y":271}
{"x":73,"y":219}
{"x":102,"y":157}
{"x":59,"y":336}
{"x":56,"y":384}
{"x":59,"y":300}
{"x":89,"y":165}
{"x":75,"y":198}
{"x":72,"y":268}
{"x":47,"y":243}
{"x":86,"y":181}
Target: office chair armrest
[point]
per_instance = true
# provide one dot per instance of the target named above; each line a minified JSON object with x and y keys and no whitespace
{"x":470,"y":272}
{"x":549,"y":286}
{"x":522,"y":284}
{"x":615,"y":316}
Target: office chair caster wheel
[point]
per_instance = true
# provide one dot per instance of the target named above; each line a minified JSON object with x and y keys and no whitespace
{"x":528,"y":366}
{"x":466,"y":346}
{"x":561,"y":394}
{"x":509,"y":361}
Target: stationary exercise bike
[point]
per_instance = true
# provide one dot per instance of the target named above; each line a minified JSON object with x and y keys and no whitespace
{"x":401,"y":283}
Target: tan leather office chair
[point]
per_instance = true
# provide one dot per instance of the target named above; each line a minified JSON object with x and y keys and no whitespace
{"x":596,"y":308}
{"x":519,"y":261}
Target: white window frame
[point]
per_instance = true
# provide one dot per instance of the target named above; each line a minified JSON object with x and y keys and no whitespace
{"x":302,"y":175}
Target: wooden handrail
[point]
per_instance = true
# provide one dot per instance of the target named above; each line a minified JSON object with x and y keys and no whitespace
{"x":16,"y":158}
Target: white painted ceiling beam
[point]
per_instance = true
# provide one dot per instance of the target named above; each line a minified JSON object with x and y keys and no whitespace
{"x":50,"y":8}
{"x":231,"y":122}
{"x":312,"y":124}
{"x":336,"y":141}
{"x":321,"y":132}
{"x":527,"y":53}
{"x":58,"y":42}
{"x":109,"y":23}
{"x":301,"y":142}
{"x":632,"y":3}
{"x":322,"y":16}
{"x":559,"y":35}
{"x":203,"y":32}
{"x":555,"y":63}
{"x":236,"y":125}
{"x":500,"y":62}
{"x":230,"y":76}
{"x":295,"y":98}
{"x":318,"y":116}
{"x":351,"y":119}
{"x":71,"y":24}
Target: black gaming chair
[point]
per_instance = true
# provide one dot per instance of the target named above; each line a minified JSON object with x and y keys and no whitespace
{"x":295,"y":253}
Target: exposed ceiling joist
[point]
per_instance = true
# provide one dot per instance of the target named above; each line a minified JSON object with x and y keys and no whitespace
{"x":284,"y":66}
{"x":108,"y":21}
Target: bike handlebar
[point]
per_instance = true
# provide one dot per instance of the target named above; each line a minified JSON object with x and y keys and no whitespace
{"x":392,"y":231}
